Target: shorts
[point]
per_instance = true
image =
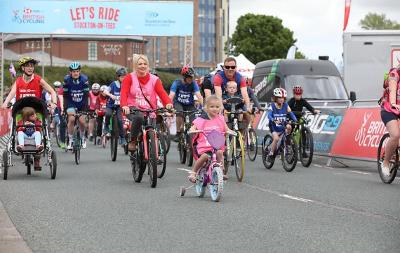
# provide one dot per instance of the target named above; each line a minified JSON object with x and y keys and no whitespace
{"x":71,"y":110}
{"x":180,"y":107}
{"x":388,"y":116}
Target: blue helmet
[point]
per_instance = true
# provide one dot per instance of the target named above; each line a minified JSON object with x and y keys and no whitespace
{"x":74,"y":66}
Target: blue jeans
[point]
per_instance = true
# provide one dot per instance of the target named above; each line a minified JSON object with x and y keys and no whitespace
{"x":36,"y":135}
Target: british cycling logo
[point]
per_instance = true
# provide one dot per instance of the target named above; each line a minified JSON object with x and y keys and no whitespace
{"x":28,"y":16}
{"x":370,"y":132}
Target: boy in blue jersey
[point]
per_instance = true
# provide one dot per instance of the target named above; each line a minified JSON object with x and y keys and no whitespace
{"x":277,"y":115}
{"x":182,"y":93}
{"x":76,"y":91}
{"x":113,"y":104}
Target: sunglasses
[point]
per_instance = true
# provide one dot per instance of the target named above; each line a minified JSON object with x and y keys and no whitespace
{"x":229,"y":67}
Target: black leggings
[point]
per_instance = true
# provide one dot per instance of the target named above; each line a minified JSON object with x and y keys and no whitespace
{"x":137,"y":120}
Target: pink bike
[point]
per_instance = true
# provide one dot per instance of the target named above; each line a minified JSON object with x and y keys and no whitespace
{"x":211,"y":174}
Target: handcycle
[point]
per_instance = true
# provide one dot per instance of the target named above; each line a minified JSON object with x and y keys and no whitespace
{"x":304,"y":140}
{"x":185,"y":141}
{"x":77,"y":138}
{"x":150,"y":150}
{"x":235,"y":154}
{"x":211,"y":174}
{"x":286,"y":148}
{"x":29,"y":151}
{"x":394,"y":161}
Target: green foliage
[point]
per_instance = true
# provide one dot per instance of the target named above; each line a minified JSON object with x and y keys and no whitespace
{"x":261,"y":37}
{"x":299,"y":55}
{"x":374,"y":21}
{"x":95,"y":74}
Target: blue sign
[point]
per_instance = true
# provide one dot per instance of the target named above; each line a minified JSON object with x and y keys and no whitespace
{"x":151,"y":18}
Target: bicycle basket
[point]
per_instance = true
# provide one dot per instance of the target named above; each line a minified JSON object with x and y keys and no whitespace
{"x":216,"y":139}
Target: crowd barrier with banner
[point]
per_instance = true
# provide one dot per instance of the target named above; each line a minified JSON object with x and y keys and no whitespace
{"x":339,"y":132}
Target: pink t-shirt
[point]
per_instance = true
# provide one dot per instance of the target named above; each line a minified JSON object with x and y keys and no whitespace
{"x":217,"y":123}
{"x":93,"y":100}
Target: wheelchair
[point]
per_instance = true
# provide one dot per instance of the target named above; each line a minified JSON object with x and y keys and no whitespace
{"x":29,"y":151}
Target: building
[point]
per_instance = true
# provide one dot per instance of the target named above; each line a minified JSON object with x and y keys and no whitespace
{"x":90,"y":50}
{"x":210,"y":33}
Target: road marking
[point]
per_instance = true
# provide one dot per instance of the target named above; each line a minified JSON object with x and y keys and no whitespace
{"x":295,"y":198}
{"x":183,"y":169}
{"x":317,"y":165}
{"x":320,"y":203}
{"x":360,"y":172}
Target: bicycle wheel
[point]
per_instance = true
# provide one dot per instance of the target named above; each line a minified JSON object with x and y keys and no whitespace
{"x":394,"y":164}
{"x":200,"y":185}
{"x":289,"y":154}
{"x":182,"y":148}
{"x":57,"y":135}
{"x":217,"y":184}
{"x":53,"y":164}
{"x":77,"y":147}
{"x":251,"y":144}
{"x":165,"y":132}
{"x":137,"y":164}
{"x":306,"y":147}
{"x":152,"y":159}
{"x":5,"y":164}
{"x":189,"y":153}
{"x":239,"y":157}
{"x":268,"y":161}
{"x":114,"y":138}
{"x":28,"y":164}
{"x":162,"y":155}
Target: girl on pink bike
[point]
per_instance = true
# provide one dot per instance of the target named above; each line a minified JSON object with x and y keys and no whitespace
{"x":211,"y":120}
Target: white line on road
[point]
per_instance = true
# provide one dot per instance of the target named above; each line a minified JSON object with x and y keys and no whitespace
{"x":317,"y":165}
{"x":327,"y":205}
{"x":183,"y":169}
{"x":360,"y":172}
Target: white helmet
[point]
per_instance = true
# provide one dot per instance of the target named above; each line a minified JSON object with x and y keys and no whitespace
{"x":103,"y":88}
{"x":95,"y":86}
{"x":57,"y":84}
{"x":280,"y":92}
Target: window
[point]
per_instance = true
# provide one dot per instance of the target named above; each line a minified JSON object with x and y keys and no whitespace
{"x":207,"y":30}
{"x":92,"y":51}
{"x":149,"y":49}
{"x":169,"y":50}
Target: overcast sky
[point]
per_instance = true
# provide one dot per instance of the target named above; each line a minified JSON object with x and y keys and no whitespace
{"x":317,"y":24}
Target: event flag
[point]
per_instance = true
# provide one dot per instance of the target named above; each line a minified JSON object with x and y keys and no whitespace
{"x":346,"y":13}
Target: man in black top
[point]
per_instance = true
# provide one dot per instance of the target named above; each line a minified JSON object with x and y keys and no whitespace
{"x":297,"y":102}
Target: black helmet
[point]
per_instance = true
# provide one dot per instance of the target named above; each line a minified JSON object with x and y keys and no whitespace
{"x":121,"y":72}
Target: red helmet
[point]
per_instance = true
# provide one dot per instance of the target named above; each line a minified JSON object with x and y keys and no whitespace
{"x":297,"y":90}
{"x":187,"y":71}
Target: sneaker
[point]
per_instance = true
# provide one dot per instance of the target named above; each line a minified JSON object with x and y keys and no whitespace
{"x":62,"y":145}
{"x":36,"y":164}
{"x":84,"y":143}
{"x":385,"y":170}
{"x":91,"y":138}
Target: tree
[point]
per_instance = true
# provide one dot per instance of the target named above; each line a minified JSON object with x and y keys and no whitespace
{"x":374,"y":21}
{"x":299,"y":55}
{"x":260,"y":37}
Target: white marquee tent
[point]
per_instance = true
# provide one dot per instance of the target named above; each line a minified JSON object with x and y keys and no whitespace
{"x":244,"y":66}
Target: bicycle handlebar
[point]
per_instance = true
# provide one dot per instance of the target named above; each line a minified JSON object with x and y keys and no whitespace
{"x":232,"y":133}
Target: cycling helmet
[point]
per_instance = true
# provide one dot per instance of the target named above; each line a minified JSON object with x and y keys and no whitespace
{"x":95,"y":86}
{"x":297,"y":90}
{"x":57,"y":84}
{"x":187,"y":71}
{"x":26,"y":59}
{"x":121,"y":72}
{"x":280,"y":92}
{"x":104,"y":88}
{"x":74,"y":66}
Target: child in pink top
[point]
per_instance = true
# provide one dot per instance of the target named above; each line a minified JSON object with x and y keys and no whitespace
{"x":213,"y":120}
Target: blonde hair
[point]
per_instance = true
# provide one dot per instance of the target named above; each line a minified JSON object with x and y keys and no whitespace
{"x":137,"y":57}
{"x":212,"y":98}
{"x":27,"y":112}
{"x":231,"y":82}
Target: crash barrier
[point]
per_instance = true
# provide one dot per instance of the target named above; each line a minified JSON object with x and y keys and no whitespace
{"x":341,"y":130}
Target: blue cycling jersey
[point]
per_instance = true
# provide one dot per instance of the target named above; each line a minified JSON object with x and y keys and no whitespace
{"x":115,"y":89}
{"x":184,"y":93}
{"x":275,"y":114}
{"x":76,"y":92}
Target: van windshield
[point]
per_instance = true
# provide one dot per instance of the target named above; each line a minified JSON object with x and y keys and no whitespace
{"x":317,"y":87}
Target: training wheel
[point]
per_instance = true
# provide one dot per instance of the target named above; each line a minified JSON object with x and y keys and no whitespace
{"x":182,"y":191}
